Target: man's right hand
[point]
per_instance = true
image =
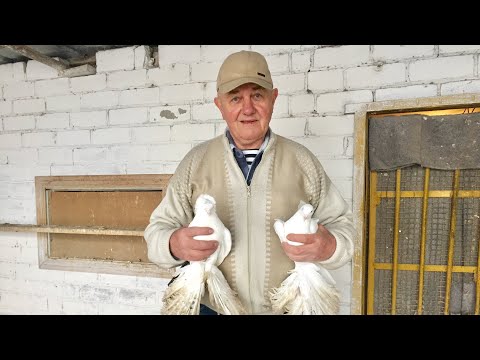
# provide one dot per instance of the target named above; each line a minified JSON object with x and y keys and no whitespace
{"x":184,"y":247}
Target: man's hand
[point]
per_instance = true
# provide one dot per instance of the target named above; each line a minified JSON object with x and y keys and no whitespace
{"x":183,"y":246}
{"x":314,"y":247}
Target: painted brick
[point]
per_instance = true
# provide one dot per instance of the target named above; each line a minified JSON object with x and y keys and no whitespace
{"x":169,"y":54}
{"x":73,"y":137}
{"x":6,"y":73}
{"x":460,"y":87}
{"x":375,"y":76}
{"x":289,"y":83}
{"x":89,"y":83}
{"x":331,"y":125}
{"x":54,"y":87}
{"x":55,"y":156}
{"x":301,"y":104}
{"x":280,"y":109}
{"x":129,"y":153}
{"x":289,"y":127}
{"x":7,"y":269}
{"x":210,"y":91}
{"x":79,"y":308}
{"x":127,"y":79}
{"x":301,"y":61}
{"x":323,"y":81}
{"x":136,"y":297}
{"x":89,"y":119}
{"x":29,"y":106}
{"x":274,"y":49}
{"x":169,"y":152}
{"x":110,"y":136}
{"x":334,"y":103}
{"x":448,"y":49}
{"x":326,"y":147}
{"x":18,"y":90}
{"x":205,"y":71}
{"x":205,"y":112}
{"x":147,"y":135}
{"x":53,"y":121}
{"x":22,"y":156}
{"x":24,"y":304}
{"x":90,"y":155}
{"x":139,"y":97}
{"x":128,"y":116}
{"x":441,"y":68}
{"x":220,"y":128}
{"x":63,"y":103}
{"x":19,"y":71}
{"x":191,"y":132}
{"x":408,"y":92}
{"x":19,"y":122}
{"x":169,"y":75}
{"x":95,"y":294}
{"x":179,"y":94}
{"x":5,"y":107}
{"x":115,"y":59}
{"x":276,"y":63}
{"x":38,"y":139}
{"x":396,"y":52}
{"x":10,"y":141}
{"x":341,"y":56}
{"x":99,"y":100}
{"x":36,"y":70}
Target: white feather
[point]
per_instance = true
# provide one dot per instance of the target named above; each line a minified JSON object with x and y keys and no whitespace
{"x":185,"y":292}
{"x":309,"y":288}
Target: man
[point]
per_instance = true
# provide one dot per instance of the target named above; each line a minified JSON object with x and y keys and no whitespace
{"x":256,"y":177}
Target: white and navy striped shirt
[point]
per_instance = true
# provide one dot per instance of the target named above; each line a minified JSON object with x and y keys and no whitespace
{"x":247,"y":160}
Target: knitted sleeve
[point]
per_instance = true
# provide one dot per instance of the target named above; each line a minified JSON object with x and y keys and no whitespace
{"x":332,"y":211}
{"x":174,"y":211}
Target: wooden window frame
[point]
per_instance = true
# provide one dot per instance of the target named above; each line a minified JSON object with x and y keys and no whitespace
{"x":94,"y":183}
{"x":360,"y":182}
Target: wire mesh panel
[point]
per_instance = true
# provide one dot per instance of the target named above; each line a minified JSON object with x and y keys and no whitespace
{"x":423,"y":247}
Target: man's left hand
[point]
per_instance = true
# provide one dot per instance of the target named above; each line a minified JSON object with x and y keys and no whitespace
{"x":314,"y":247}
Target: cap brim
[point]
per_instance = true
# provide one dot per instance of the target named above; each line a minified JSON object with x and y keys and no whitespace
{"x":229,"y":86}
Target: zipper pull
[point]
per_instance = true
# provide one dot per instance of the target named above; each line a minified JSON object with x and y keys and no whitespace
{"x":248,"y":191}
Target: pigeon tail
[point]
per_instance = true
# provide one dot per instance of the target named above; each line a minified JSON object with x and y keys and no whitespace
{"x":183,"y":295}
{"x":308,"y":290}
{"x":221,"y":295}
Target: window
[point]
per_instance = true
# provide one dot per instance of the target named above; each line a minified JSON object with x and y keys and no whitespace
{"x":96,"y":223}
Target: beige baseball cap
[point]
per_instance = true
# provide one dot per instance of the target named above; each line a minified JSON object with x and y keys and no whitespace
{"x":243,"y":67}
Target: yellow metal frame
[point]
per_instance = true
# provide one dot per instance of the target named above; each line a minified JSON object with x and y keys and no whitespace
{"x":365,"y":200}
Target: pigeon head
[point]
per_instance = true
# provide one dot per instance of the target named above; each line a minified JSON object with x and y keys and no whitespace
{"x":306,"y":211}
{"x":205,"y":203}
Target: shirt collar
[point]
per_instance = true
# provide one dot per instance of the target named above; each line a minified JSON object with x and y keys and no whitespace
{"x":234,"y":146}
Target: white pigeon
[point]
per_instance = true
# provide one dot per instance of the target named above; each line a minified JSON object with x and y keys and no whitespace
{"x":309,"y":288}
{"x":185,"y":291}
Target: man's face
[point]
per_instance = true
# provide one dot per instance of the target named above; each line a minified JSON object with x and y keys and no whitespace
{"x":247,"y":110}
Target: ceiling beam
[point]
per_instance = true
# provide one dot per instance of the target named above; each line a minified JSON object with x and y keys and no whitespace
{"x":35,"y":55}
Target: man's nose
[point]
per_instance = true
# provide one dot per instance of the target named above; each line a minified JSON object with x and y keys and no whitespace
{"x":248,"y":108}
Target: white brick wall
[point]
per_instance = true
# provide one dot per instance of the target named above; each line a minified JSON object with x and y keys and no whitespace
{"x":130,"y":118}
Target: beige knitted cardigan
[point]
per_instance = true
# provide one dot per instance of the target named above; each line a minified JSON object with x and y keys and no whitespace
{"x":288,"y":173}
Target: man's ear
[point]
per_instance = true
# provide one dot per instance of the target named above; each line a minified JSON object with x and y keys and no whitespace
{"x":217,"y":102}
